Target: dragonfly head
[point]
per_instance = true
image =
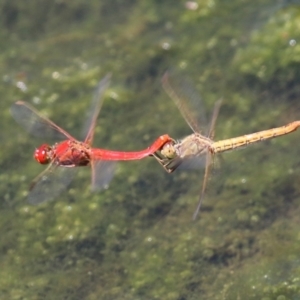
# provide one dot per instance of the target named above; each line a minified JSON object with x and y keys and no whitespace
{"x":43,"y":154}
{"x":168,"y":150}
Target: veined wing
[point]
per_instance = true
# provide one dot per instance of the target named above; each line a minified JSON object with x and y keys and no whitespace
{"x":93,"y":112}
{"x":102,"y":173}
{"x":186,"y":99}
{"x":35,"y":123}
{"x":50,"y":184}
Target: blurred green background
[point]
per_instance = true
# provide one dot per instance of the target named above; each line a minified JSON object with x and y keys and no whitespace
{"x":136,"y":239}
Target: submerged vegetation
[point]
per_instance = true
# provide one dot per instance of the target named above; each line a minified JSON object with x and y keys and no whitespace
{"x":136,"y":240}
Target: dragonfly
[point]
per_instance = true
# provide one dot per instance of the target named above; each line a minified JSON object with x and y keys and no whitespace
{"x":196,"y":147}
{"x":64,"y":156}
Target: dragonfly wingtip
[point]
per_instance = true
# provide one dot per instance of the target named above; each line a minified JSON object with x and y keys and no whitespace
{"x":195,"y":215}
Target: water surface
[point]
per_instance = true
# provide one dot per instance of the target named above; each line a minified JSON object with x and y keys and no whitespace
{"x":137,"y":240}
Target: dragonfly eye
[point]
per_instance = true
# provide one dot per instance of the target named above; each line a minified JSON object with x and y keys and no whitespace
{"x":43,"y":154}
{"x":168,"y":150}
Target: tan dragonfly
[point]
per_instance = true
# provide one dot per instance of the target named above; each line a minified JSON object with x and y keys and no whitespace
{"x":196,"y":147}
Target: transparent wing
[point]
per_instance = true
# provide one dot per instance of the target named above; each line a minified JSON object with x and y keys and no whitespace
{"x":203,"y":189}
{"x":90,"y":124}
{"x":102,"y":171}
{"x":50,"y":183}
{"x":36,"y":124}
{"x":211,"y":132}
{"x":192,"y":163}
{"x":186,"y":99}
{"x":102,"y":174}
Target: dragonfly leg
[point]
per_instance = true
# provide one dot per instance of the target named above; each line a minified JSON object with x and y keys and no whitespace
{"x":163,"y":161}
{"x":169,"y":164}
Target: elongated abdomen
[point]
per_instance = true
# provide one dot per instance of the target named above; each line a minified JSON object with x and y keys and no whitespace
{"x":244,"y":140}
{"x":103,"y":154}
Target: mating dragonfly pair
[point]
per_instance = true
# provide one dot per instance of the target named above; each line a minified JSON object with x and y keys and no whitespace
{"x":63,"y":157}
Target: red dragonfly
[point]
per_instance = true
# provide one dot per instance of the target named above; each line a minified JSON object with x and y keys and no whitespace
{"x":62,"y":157}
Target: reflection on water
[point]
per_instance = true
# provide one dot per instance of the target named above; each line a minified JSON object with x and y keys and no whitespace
{"x":136,"y":240}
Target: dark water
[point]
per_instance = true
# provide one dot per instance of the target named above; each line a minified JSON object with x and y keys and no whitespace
{"x":137,"y":240}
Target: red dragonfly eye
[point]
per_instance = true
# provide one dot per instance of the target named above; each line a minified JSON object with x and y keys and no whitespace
{"x":43,"y":154}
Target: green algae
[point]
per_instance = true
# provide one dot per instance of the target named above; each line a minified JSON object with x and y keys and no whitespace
{"x":136,"y":240}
